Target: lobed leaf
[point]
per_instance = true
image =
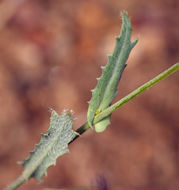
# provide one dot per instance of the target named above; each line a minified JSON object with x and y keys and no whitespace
{"x":53,"y":144}
{"x":106,"y":89}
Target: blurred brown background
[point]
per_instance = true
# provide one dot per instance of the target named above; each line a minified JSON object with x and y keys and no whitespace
{"x":50,"y":57}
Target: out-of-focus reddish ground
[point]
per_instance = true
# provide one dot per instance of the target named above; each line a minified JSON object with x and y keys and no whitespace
{"x":50,"y":57}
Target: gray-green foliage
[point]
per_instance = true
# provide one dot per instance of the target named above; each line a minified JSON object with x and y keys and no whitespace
{"x":106,"y":89}
{"x":53,"y":144}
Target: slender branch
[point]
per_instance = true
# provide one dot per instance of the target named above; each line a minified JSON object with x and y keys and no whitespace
{"x":129,"y":97}
{"x":81,"y":130}
{"x":111,"y":109}
{"x":136,"y":92}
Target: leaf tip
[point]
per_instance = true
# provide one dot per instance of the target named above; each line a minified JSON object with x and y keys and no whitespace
{"x":124,"y":14}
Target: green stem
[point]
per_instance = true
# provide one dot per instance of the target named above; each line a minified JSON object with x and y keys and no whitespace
{"x":111,"y":109}
{"x":136,"y":92}
{"x":129,"y":97}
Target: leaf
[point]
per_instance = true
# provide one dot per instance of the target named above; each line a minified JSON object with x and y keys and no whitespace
{"x":106,"y":89}
{"x":53,"y":144}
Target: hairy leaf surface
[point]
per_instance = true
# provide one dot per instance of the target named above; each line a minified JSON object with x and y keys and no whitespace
{"x":106,"y":89}
{"x":53,"y":144}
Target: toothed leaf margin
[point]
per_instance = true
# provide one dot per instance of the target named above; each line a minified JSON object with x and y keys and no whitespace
{"x":106,"y":89}
{"x":53,"y":144}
